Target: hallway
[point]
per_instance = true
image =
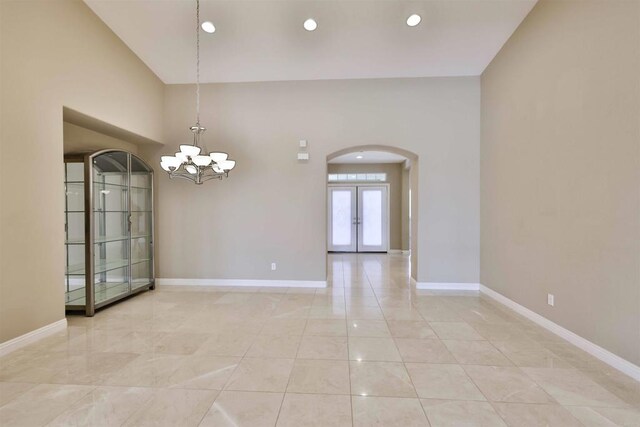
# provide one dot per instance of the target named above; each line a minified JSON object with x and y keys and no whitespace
{"x":368,"y":350}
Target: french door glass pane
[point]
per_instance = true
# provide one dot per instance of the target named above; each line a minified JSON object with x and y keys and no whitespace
{"x":341,"y":214}
{"x":372,"y":217}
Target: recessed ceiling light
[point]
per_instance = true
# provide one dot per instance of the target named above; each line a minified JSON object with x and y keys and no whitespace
{"x":310,"y":24}
{"x":358,"y":157}
{"x":208,"y":27}
{"x":413,"y":20}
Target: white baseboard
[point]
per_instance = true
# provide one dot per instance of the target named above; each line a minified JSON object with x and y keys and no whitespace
{"x":398,"y":251}
{"x":242,"y":282}
{"x":447,"y":286}
{"x":33,"y":336}
{"x":595,"y":350}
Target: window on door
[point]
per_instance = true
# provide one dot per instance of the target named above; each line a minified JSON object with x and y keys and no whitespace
{"x":356,"y":177}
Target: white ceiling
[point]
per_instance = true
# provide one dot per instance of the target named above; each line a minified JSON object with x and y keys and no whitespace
{"x":263,"y":40}
{"x":368,"y":157}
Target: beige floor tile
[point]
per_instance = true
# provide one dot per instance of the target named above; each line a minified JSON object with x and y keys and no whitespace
{"x":315,"y":410}
{"x":284,"y":327}
{"x":536,"y":359}
{"x":104,"y":406}
{"x":401,"y":313}
{"x":455,"y":331}
{"x":41,"y":404}
{"x":243,"y":409}
{"x":133,"y":342}
{"x":323,"y":348}
{"x":319,"y":376}
{"x":442,"y":382}
{"x":498,"y":331}
{"x":92,"y":368}
{"x":503,"y":384}
{"x":410,"y":329}
{"x":33,"y":367}
{"x":178,"y":343}
{"x":385,"y":379}
{"x":437,"y":313}
{"x":380,"y":349}
{"x":327,"y":313}
{"x":261,"y":375}
{"x":172,"y":407}
{"x":227,"y":345}
{"x":533,"y":415}
{"x":278,"y":346}
{"x":10,"y":391}
{"x":362,"y":313}
{"x":626,"y":388}
{"x":203,"y":372}
{"x":476,"y":353}
{"x":606,"y":417}
{"x":368,"y":328}
{"x":147,"y":370}
{"x":424,"y":350}
{"x":572,"y":387}
{"x":326,"y":328}
{"x":456,"y":413}
{"x":387,"y":412}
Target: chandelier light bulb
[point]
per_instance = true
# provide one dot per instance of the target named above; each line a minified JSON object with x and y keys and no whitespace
{"x":310,"y":24}
{"x":208,"y":27}
{"x":414,"y":20}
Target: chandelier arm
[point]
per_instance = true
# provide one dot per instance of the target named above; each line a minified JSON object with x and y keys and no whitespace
{"x":188,"y":177}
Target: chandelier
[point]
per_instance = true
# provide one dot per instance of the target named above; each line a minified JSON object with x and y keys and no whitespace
{"x":190,"y":162}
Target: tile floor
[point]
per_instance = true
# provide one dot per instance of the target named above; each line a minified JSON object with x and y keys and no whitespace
{"x":367,"y":351}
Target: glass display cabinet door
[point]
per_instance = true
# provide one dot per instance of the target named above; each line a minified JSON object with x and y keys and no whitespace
{"x":141,"y":224}
{"x":75,"y":279}
{"x":111,"y":226}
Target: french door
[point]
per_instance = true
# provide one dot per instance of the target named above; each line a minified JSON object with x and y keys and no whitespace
{"x":358,"y":218}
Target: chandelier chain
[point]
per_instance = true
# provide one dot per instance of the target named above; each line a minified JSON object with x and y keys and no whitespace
{"x":198,"y":63}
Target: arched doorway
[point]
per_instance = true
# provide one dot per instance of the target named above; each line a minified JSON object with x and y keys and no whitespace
{"x":352,"y":169}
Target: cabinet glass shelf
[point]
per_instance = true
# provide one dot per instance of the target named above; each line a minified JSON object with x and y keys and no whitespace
{"x":109,"y":228}
{"x":102,"y":266}
{"x":100,"y":240}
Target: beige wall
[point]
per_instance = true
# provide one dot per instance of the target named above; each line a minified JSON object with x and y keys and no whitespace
{"x":394,"y":179}
{"x":78,"y":139}
{"x":270,"y":207}
{"x":54,"y":54}
{"x":560,"y":163}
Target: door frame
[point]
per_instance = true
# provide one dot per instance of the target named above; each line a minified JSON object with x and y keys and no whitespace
{"x":357,"y":184}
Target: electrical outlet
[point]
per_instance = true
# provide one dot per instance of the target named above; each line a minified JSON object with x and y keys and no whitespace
{"x":273,"y":266}
{"x":550,"y":299}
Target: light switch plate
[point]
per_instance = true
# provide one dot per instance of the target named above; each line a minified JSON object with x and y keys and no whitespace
{"x":303,"y":143}
{"x":303,"y":156}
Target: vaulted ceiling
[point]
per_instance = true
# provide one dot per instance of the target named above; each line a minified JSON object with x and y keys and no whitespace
{"x":264,"y":40}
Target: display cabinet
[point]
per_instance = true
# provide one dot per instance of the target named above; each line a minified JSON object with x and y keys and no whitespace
{"x":108,"y":228}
